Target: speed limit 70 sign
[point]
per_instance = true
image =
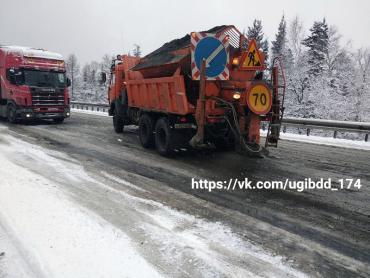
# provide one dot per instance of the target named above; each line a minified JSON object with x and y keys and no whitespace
{"x":259,"y":99}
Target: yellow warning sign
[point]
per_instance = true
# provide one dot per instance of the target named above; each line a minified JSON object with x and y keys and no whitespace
{"x":251,"y":59}
{"x":259,"y":99}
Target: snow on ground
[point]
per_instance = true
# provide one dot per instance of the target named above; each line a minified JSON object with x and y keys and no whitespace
{"x":343,"y":143}
{"x":12,"y":264}
{"x":336,"y":142}
{"x":211,"y":247}
{"x":57,"y":237}
{"x":98,"y":113}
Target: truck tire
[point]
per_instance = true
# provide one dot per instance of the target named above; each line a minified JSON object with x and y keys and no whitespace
{"x":117,"y":119}
{"x":146,"y":131}
{"x":163,"y":137}
{"x":11,"y":113}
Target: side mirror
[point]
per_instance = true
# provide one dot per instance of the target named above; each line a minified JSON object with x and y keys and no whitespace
{"x":103,"y":78}
{"x":68,"y":82}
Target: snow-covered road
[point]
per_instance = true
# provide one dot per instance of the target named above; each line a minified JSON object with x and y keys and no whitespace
{"x":45,"y":231}
{"x":77,"y":199}
{"x":55,"y":236}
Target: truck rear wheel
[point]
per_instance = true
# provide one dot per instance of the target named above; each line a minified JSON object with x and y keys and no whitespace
{"x":163,"y":137}
{"x":11,"y":113}
{"x":146,"y":131}
{"x":117,"y":119}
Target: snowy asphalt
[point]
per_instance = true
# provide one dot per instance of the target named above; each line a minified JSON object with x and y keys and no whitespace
{"x":185,"y":232}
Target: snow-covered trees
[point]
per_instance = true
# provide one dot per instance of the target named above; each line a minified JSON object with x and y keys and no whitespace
{"x":317,"y":44}
{"x":86,"y":83}
{"x":256,"y":32}
{"x":278,"y":47}
{"x":295,"y":38}
{"x":362,"y":56}
{"x":106,"y":64}
{"x":296,"y":69}
{"x":324,"y":78}
{"x":137,"y":50}
{"x":73,"y":72}
{"x":362,"y":106}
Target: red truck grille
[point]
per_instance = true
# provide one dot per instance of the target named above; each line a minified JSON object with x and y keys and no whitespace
{"x":47,"y":97}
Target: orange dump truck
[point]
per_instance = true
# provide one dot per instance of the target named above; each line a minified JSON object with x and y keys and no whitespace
{"x":203,"y":90}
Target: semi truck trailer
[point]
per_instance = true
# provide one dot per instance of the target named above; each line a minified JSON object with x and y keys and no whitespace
{"x":33,"y":85}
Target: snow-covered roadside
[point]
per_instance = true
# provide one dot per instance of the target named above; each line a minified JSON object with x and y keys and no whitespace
{"x":343,"y":143}
{"x":60,"y":238}
{"x":57,"y":237}
{"x":336,"y":142}
{"x":98,"y":113}
{"x":12,"y":264}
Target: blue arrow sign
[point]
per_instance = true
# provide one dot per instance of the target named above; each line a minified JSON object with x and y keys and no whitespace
{"x":214,"y":52}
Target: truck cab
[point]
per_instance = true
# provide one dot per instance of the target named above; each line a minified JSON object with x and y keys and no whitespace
{"x":33,"y":84}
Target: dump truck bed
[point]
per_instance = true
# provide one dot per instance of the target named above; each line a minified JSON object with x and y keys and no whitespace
{"x":166,"y":59}
{"x":165,"y":83}
{"x":166,"y":94}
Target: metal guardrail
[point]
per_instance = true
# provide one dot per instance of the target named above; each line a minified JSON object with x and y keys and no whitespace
{"x":100,"y":107}
{"x":307,"y":124}
{"x":335,"y":126}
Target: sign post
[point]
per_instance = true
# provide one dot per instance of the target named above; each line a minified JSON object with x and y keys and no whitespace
{"x":198,"y":138}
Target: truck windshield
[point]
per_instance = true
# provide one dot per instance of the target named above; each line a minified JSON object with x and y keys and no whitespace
{"x":44,"y":78}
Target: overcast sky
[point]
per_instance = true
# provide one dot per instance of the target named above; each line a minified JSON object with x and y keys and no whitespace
{"x":91,"y":28}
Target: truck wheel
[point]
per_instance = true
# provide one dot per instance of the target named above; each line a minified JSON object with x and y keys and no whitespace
{"x":146,"y":131}
{"x":163,"y":137}
{"x":11,"y":113}
{"x":117,"y":119}
{"x":58,"y":120}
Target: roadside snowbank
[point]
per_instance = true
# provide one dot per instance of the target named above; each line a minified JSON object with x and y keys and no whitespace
{"x":98,"y":113}
{"x":335,"y":142}
{"x":58,"y":237}
{"x":12,"y":265}
{"x":343,"y":143}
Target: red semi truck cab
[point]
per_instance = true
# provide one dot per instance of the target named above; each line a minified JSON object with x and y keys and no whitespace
{"x":33,"y":84}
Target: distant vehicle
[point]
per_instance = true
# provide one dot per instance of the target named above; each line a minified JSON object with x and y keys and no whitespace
{"x":205,"y":89}
{"x":33,"y":85}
